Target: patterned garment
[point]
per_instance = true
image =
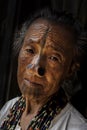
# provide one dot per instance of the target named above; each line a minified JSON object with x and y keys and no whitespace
{"x":43,"y":118}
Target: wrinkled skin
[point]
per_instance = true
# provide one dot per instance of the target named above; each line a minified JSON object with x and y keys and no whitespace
{"x":48,"y":46}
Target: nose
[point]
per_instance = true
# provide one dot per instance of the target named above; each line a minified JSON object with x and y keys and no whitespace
{"x":36,"y":70}
{"x":41,"y":71}
{"x":36,"y":67}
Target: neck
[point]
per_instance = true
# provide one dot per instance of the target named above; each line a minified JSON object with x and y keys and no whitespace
{"x":33,"y":105}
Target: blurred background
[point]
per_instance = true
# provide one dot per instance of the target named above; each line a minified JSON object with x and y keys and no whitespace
{"x":12,"y":14}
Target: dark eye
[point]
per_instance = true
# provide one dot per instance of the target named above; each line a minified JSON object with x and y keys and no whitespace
{"x":31,"y":51}
{"x":53,"y":58}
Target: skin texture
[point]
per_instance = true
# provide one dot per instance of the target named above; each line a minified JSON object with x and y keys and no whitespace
{"x":49,"y":47}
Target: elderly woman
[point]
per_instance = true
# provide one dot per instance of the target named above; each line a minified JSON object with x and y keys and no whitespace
{"x":50,"y":51}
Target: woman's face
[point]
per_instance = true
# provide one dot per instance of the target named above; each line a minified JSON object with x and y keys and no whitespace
{"x":44,"y":59}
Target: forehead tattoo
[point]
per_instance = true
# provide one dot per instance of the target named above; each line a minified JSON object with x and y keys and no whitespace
{"x":45,"y":36}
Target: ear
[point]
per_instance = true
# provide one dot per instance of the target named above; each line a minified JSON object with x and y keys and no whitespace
{"x":75,"y":66}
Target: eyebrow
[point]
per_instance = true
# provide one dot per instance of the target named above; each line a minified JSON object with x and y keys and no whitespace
{"x":30,"y":41}
{"x":56,"y":48}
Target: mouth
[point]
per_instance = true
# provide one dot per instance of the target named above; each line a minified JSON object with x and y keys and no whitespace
{"x":32,"y":83}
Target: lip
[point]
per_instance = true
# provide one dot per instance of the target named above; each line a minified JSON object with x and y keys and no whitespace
{"x":32,"y":83}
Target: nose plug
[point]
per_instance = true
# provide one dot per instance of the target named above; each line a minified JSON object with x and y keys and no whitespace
{"x":40,"y":70}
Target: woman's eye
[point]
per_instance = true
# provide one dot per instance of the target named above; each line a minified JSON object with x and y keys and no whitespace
{"x":53,"y":58}
{"x":31,"y":51}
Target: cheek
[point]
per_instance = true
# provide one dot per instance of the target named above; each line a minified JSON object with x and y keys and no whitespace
{"x":22,"y":63}
{"x":54,"y":76}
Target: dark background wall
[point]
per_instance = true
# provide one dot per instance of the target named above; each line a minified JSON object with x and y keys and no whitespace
{"x":12,"y":15}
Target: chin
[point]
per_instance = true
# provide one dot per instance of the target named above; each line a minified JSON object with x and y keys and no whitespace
{"x":31,"y":91}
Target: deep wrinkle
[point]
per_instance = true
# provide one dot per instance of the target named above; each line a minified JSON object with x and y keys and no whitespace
{"x":43,"y":41}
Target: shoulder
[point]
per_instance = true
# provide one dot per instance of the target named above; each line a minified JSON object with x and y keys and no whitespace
{"x":75,"y":114}
{"x":5,"y":109}
{"x":69,"y":119}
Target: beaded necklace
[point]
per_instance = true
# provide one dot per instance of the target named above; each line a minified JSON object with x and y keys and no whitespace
{"x":14,"y":115}
{"x":43,"y":118}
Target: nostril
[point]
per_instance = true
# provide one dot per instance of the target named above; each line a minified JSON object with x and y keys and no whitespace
{"x":41,"y":71}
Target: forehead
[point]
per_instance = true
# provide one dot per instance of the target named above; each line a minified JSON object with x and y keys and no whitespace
{"x":42,"y":29}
